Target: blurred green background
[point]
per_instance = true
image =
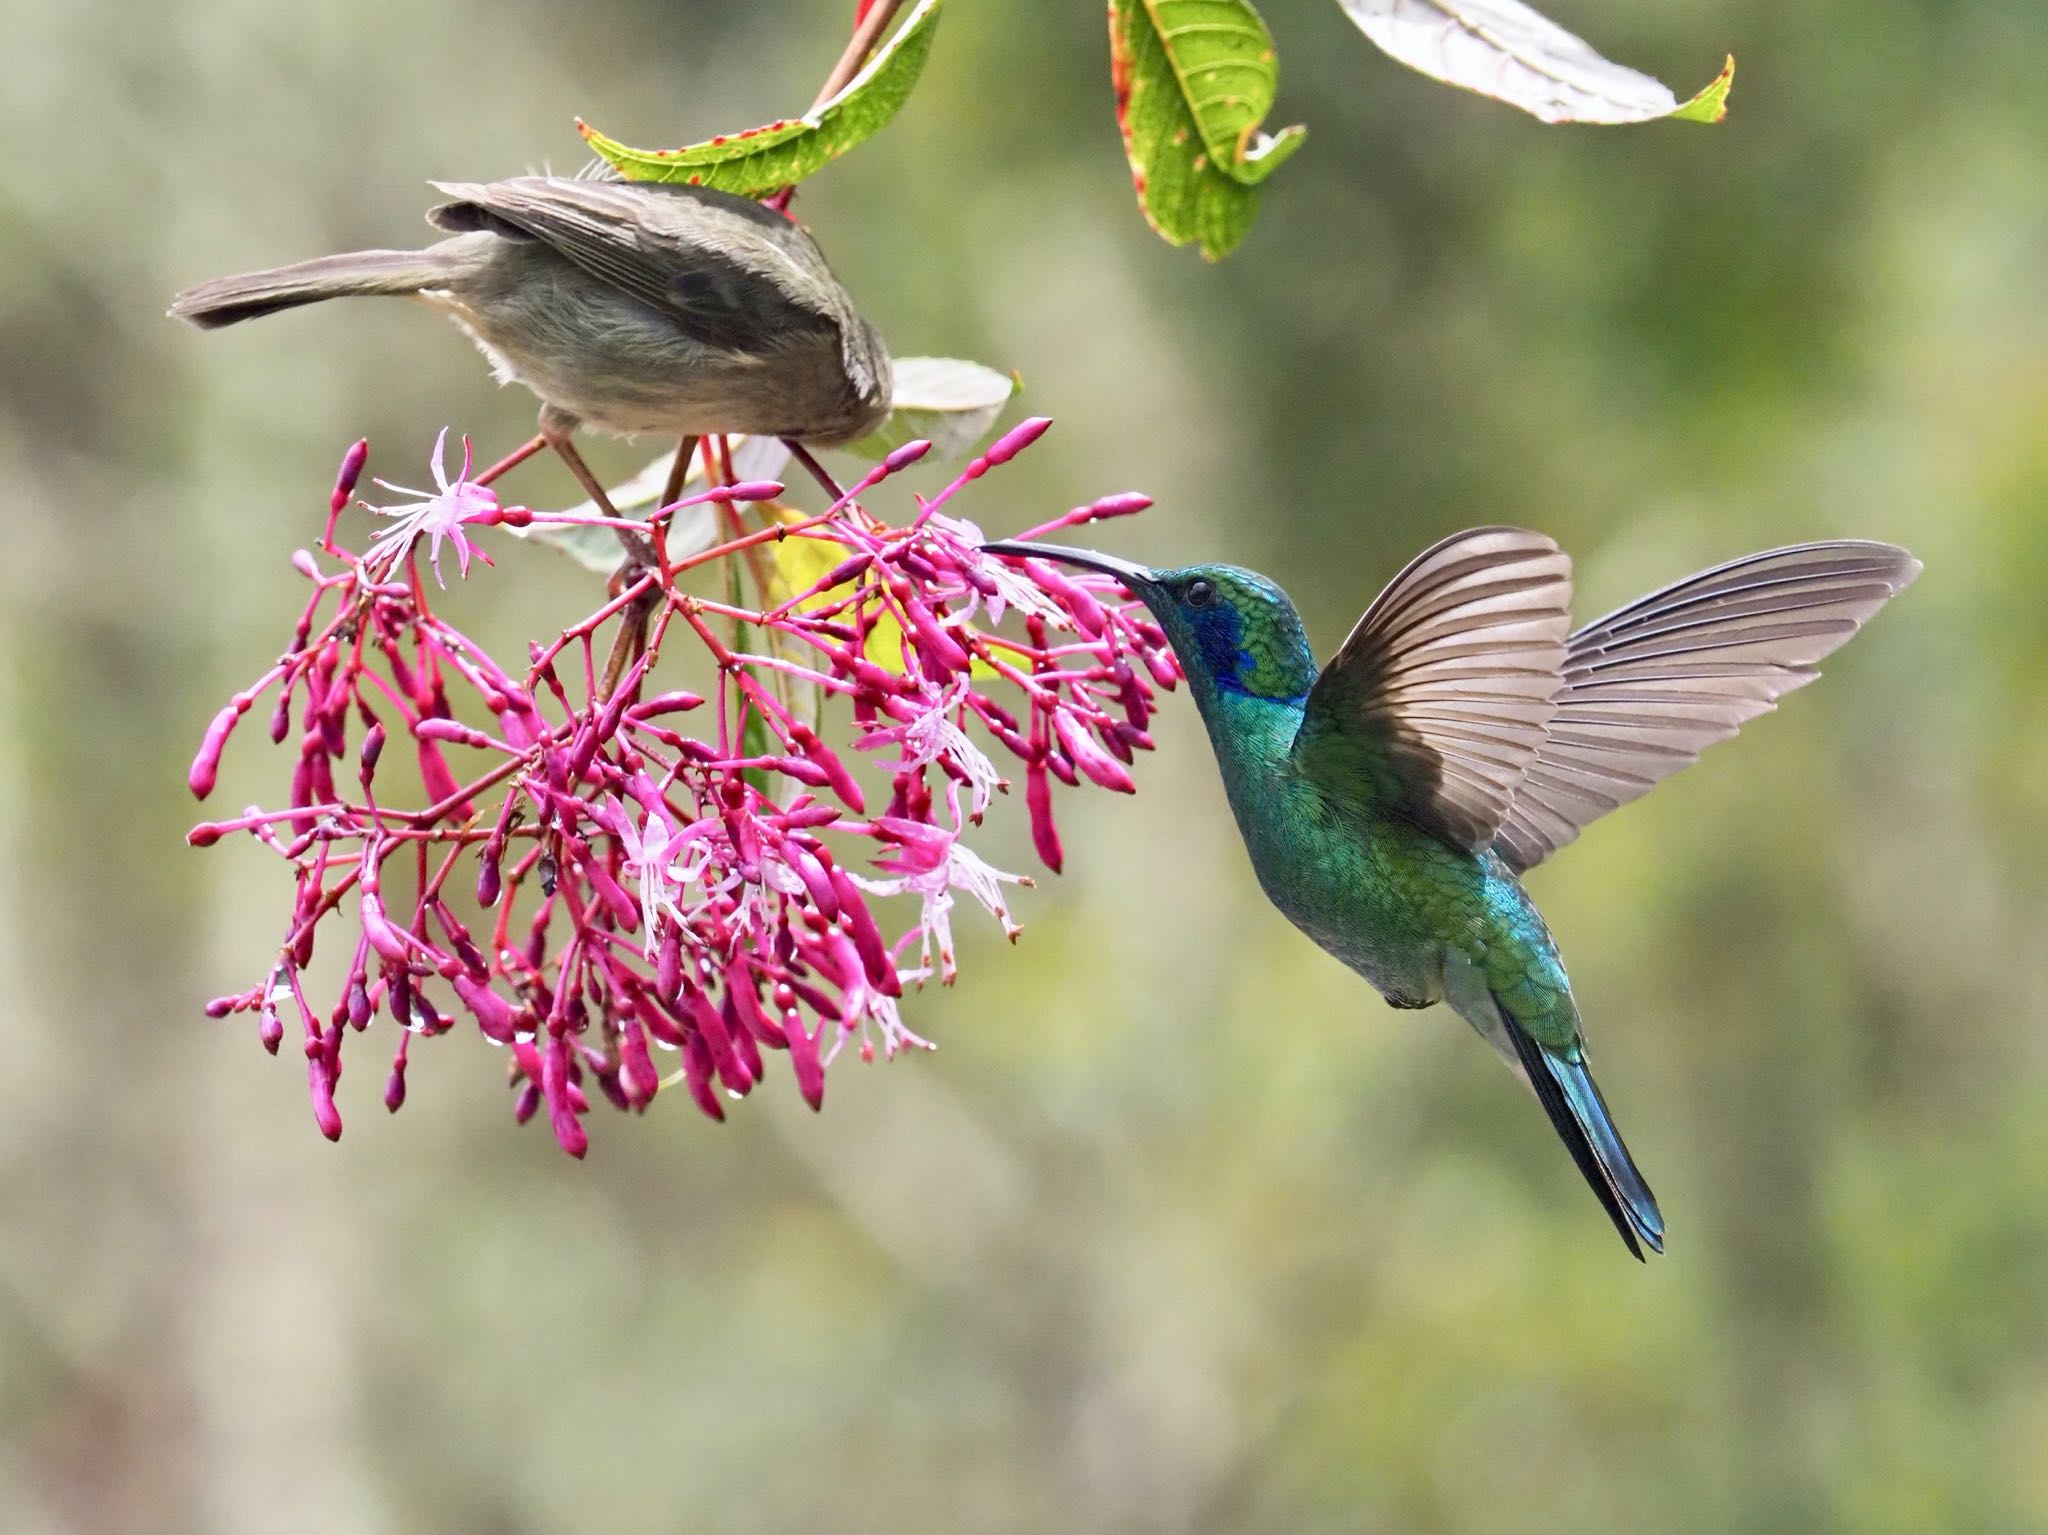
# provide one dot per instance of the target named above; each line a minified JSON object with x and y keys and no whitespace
{"x":1181,"y":1229}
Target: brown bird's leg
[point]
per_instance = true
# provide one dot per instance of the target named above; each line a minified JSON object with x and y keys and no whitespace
{"x":556,"y":426}
{"x":679,"y":471}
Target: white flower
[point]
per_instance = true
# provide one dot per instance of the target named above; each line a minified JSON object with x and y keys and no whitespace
{"x":439,"y":514}
{"x":960,"y":868}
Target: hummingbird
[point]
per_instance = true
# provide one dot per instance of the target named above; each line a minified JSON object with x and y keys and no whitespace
{"x":1392,"y":800}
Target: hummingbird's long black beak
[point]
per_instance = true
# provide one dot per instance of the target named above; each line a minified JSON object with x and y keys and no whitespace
{"x":1137,"y":577}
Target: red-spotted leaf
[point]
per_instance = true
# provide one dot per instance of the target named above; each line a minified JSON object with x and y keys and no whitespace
{"x":782,"y":153}
{"x":1194,"y":81}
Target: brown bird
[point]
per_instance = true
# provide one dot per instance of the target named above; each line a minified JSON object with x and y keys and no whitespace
{"x":632,"y":306}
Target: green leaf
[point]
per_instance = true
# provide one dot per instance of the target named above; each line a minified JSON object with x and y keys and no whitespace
{"x":1194,"y":80}
{"x":1503,"y":49}
{"x":949,"y":402}
{"x":782,"y":153}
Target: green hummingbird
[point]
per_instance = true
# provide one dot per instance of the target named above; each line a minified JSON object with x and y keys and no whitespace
{"x":1391,"y":800}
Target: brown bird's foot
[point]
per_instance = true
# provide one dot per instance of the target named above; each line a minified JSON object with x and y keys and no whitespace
{"x":556,"y":429}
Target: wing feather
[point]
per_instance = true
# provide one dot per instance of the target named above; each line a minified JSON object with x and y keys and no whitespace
{"x":1652,"y":685}
{"x":1437,"y":703}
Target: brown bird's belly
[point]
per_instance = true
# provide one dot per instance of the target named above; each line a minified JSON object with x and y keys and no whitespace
{"x":613,"y":362}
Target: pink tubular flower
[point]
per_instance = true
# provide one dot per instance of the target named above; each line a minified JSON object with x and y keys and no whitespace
{"x":439,"y":514}
{"x":599,"y":867}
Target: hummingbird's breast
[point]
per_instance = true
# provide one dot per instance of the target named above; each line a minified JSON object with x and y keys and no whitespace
{"x":1368,"y":891}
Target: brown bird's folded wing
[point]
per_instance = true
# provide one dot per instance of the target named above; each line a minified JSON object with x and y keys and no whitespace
{"x":733,"y":274}
{"x":1647,"y":688}
{"x":1439,"y":700}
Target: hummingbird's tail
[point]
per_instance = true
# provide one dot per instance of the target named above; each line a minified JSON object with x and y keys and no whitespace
{"x":1579,"y":1114}
{"x":228,"y":299}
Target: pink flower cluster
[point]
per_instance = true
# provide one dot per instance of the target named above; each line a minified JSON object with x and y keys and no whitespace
{"x":599,"y":871}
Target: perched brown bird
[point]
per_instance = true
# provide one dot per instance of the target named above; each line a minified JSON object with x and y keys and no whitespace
{"x":632,"y":306}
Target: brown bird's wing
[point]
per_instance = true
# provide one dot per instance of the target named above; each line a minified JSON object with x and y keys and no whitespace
{"x":1439,"y":700}
{"x":1649,"y":687}
{"x":733,"y":274}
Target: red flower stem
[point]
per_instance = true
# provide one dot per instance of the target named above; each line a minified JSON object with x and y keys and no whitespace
{"x":512,"y":460}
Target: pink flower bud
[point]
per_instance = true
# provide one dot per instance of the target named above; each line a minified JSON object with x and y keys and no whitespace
{"x":490,"y":881}
{"x":453,"y":732}
{"x":843,"y":783}
{"x":664,"y":703}
{"x":321,"y":1083}
{"x":384,"y":938}
{"x":1089,"y":757}
{"x":803,"y":1057}
{"x":1045,"y":836}
{"x":345,"y":479}
{"x":1120,"y":505}
{"x":910,"y":452}
{"x":206,"y":766}
{"x":697,"y":1076}
{"x":1017,"y":439}
{"x":556,"y":1089}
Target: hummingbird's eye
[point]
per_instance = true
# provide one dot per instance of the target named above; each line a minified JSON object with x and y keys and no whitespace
{"x":1200,"y":594}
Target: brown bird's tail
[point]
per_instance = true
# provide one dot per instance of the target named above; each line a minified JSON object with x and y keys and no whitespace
{"x":228,"y":299}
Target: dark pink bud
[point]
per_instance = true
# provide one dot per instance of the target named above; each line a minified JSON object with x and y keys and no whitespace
{"x":358,"y":1002}
{"x":637,"y":1076}
{"x":843,"y":783}
{"x":1045,"y":836}
{"x":384,"y":938}
{"x":867,"y":938}
{"x":440,"y":782}
{"x":206,"y":766}
{"x":527,"y":1104}
{"x":321,"y":1082}
{"x":490,"y":880}
{"x":492,"y":1013}
{"x":556,"y":1089}
{"x":1120,"y":505}
{"x":803,"y":1057}
{"x":664,"y":703}
{"x":668,"y":967}
{"x":697,"y":1076}
{"x":205,"y":834}
{"x":749,"y":490}
{"x":816,"y":880}
{"x":940,"y":651}
{"x":1089,"y":756}
{"x":711,"y":1025}
{"x":1017,"y":439}
{"x":351,"y":470}
{"x":1077,"y":599}
{"x":281,"y":719}
{"x":906,"y":455}
{"x":453,"y":732}
{"x":845,"y":571}
{"x":625,"y":910}
{"x":373,"y":748}
{"x":270,"y":1029}
{"x":394,"y":1085}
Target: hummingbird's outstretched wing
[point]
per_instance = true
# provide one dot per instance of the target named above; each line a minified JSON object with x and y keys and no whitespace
{"x":1437,"y":703}
{"x":1650,"y":686}
{"x":683,"y":251}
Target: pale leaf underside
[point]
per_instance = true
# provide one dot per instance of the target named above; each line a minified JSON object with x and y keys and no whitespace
{"x":1506,"y":50}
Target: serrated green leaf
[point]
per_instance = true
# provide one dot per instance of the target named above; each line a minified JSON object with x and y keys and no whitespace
{"x":947,"y":401}
{"x":782,"y":153}
{"x":1503,"y":49}
{"x":1194,"y":79}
